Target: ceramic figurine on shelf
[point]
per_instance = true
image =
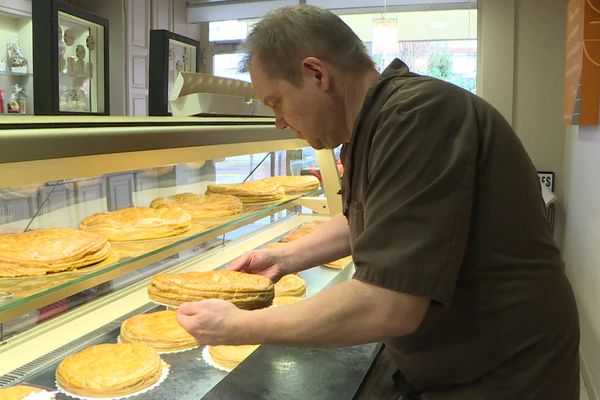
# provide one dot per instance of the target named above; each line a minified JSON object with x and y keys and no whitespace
{"x":90,"y":42}
{"x":73,"y":99}
{"x":71,"y":65}
{"x":69,"y":37}
{"x":82,"y":101}
{"x":69,"y":100}
{"x":18,"y":101}
{"x":61,"y":56}
{"x":80,"y":53}
{"x":16,"y":60}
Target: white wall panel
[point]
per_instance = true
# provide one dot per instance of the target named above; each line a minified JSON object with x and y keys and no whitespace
{"x":162,"y":14}
{"x":17,"y":7}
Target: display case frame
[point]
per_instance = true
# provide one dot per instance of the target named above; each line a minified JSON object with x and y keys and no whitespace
{"x":48,"y":149}
{"x":159,"y":71}
{"x":45,"y":16}
{"x":42,"y":149}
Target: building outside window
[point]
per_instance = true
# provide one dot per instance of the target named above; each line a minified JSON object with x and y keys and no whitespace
{"x":438,"y":43}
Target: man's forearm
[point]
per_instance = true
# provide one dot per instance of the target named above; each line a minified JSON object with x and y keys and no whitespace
{"x":350,"y":313}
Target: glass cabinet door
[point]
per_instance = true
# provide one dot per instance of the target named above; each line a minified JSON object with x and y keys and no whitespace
{"x":80,"y":65}
{"x":73,"y":44}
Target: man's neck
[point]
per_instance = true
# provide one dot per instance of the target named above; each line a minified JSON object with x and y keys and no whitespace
{"x":354,"y":97}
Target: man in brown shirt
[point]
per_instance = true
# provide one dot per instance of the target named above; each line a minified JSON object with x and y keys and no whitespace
{"x":456,"y":269}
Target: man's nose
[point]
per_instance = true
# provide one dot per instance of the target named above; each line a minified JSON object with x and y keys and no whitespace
{"x":280,"y":123}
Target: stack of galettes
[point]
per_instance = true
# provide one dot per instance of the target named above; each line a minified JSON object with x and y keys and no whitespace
{"x":19,"y":392}
{"x":110,"y":370}
{"x":250,"y":192}
{"x":201,"y":206}
{"x":134,"y":364}
{"x":229,"y":357}
{"x":295,"y":184}
{"x":138,"y":223}
{"x":304,"y":230}
{"x":44,"y":251}
{"x":266,"y":190}
{"x":160,"y":330}
{"x":246,"y":291}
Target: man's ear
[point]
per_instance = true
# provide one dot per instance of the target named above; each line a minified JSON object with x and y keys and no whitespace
{"x":317,"y":71}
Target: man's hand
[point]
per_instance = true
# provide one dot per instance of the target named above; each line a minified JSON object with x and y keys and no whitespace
{"x":266,"y":262}
{"x":210,"y":321}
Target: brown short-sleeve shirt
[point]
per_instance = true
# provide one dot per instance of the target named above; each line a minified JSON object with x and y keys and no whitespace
{"x":443,"y":202}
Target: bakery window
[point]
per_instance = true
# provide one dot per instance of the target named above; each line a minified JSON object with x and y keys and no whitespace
{"x":92,"y":210}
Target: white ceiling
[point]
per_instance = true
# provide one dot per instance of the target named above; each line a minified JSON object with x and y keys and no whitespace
{"x":220,"y":10}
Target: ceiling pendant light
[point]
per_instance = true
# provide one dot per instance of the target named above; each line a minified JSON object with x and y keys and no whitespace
{"x":385,"y":34}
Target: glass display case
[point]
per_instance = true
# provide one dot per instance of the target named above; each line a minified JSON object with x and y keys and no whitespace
{"x":75,"y":81}
{"x":170,"y":54}
{"x":56,"y":172}
{"x":16,"y":65}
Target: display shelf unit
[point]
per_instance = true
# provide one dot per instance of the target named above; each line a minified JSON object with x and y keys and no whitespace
{"x":86,"y":160}
{"x":75,"y":79}
{"x":16,"y":28}
{"x":44,"y":152}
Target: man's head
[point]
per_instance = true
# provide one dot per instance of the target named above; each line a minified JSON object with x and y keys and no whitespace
{"x":284,"y":37}
{"x":300,"y":59}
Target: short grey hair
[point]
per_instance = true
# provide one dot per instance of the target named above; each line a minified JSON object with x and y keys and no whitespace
{"x":284,"y":37}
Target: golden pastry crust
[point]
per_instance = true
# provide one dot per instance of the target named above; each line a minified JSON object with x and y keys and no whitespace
{"x":274,"y":245}
{"x":290,"y":285}
{"x":302,"y":230}
{"x":250,"y":192}
{"x":18,"y":392}
{"x":231,"y":356}
{"x":160,"y":330}
{"x":202,"y":205}
{"x":247,"y":291}
{"x":43,"y":251}
{"x":283,"y":300}
{"x":110,"y":369}
{"x":138,"y":223}
{"x":294,"y":184}
{"x":339,"y":263}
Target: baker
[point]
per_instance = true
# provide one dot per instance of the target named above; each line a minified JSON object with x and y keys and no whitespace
{"x":456,"y":268}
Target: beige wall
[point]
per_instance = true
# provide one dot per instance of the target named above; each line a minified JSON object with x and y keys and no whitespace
{"x":521,"y":73}
{"x":539,"y":87}
{"x":532,"y":99}
{"x":582,"y":241}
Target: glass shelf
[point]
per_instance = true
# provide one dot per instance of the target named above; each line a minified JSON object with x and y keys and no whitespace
{"x":19,"y":74}
{"x":21,"y":295}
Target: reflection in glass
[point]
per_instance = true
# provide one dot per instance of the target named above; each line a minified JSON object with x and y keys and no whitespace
{"x":182,"y":58}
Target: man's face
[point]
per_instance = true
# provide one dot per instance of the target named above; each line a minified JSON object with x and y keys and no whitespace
{"x":307,"y":109}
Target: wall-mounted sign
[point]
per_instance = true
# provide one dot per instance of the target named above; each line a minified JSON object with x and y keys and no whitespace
{"x":582,"y":66}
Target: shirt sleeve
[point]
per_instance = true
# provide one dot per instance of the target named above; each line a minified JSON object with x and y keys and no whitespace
{"x":419,"y":192}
